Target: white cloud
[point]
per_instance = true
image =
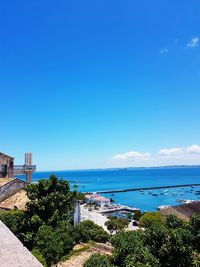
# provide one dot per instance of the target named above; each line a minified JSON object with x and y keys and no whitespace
{"x":164,"y":50}
{"x":194,"y":42}
{"x":170,"y":151}
{"x":132,"y":155}
{"x":194,"y":149}
{"x":167,"y":156}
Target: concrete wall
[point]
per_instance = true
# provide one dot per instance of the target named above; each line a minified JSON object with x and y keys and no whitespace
{"x":12,"y":251}
{"x":10,"y":188}
{"x":9,"y":163}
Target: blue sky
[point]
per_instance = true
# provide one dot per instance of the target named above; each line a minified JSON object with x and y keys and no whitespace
{"x":89,"y":84}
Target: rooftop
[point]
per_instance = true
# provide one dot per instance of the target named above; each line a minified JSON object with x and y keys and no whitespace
{"x":2,"y":154}
{"x":12,"y":251}
{"x":184,"y":211}
{"x":4,"y":181}
{"x":18,"y":200}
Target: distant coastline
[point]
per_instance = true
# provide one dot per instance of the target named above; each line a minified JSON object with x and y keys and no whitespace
{"x":125,"y":168}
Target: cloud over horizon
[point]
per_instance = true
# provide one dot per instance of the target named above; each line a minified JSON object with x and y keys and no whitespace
{"x":165,"y":156}
{"x":132,"y":155}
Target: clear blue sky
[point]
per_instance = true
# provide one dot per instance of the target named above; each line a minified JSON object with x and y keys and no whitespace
{"x":82,"y":81}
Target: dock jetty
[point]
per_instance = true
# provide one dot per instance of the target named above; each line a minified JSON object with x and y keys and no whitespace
{"x":145,"y":188}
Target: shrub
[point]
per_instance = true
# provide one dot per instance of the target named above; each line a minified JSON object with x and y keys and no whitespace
{"x":150,"y":218}
{"x":98,"y":260}
{"x":36,"y":253}
{"x":87,"y":230}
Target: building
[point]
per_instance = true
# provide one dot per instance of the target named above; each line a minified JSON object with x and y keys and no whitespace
{"x":6,"y":166}
{"x":9,"y":170}
{"x":184,"y":211}
{"x":97,"y":199}
{"x":12,"y":251}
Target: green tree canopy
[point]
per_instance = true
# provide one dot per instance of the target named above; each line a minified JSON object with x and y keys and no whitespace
{"x":150,"y":218}
{"x":117,"y":224}
{"x":98,"y":260}
{"x":87,"y":230}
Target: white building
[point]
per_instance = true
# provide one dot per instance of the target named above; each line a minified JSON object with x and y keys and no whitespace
{"x":97,"y":199}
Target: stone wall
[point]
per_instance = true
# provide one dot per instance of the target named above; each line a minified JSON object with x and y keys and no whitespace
{"x":6,"y":166}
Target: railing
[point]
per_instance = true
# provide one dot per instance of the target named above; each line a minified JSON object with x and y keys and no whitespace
{"x":18,"y":168}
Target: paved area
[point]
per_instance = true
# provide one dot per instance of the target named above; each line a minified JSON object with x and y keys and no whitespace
{"x":12,"y":251}
{"x":100,"y":219}
{"x":94,"y":216}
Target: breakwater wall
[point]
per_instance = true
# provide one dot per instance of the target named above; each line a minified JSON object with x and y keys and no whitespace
{"x":145,"y":188}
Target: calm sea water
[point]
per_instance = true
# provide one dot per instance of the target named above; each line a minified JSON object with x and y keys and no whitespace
{"x":98,"y":180}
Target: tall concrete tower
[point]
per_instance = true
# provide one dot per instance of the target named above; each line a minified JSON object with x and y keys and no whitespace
{"x":27,"y":168}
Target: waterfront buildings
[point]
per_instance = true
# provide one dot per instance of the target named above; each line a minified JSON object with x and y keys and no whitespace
{"x":97,"y":199}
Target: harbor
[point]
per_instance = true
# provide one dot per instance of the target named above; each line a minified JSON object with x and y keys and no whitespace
{"x":146,"y":188}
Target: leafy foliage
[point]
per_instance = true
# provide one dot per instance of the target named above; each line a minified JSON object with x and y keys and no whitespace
{"x":150,"y":218}
{"x":87,"y":230}
{"x":117,"y":224}
{"x":14,"y":219}
{"x":54,"y":243}
{"x":137,"y":215}
{"x":46,"y":226}
{"x":98,"y":260}
{"x":39,"y":256}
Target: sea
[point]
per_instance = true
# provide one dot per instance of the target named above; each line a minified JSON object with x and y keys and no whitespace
{"x":115,"y":179}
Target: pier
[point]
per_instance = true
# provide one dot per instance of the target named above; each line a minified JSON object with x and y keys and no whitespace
{"x":120,"y":208}
{"x":145,"y":188}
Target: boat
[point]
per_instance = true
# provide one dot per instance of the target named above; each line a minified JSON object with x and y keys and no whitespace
{"x":141,"y":190}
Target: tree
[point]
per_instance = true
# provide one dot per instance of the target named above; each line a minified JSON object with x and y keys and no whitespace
{"x":150,"y":218}
{"x":98,"y":260}
{"x":126,"y":243}
{"x":142,"y":258}
{"x":54,"y":243}
{"x":116,"y":224}
{"x":137,"y":215}
{"x":194,"y":226}
{"x":39,"y":256}
{"x":51,"y":200}
{"x":173,"y":222}
{"x":88,"y":230}
{"x":14,"y":220}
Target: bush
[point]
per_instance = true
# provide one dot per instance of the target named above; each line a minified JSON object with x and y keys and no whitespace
{"x":14,"y":220}
{"x":117,"y":225}
{"x":137,"y":215}
{"x":150,"y":218}
{"x":87,"y":230}
{"x":54,"y":243}
{"x":36,"y":253}
{"x":98,"y":260}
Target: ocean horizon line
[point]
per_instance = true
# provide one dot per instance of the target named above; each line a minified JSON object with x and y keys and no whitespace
{"x":124,"y":168}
